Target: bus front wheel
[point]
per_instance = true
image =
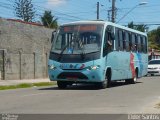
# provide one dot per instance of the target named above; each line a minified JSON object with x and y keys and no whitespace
{"x":102,"y":85}
{"x":61,"y":84}
{"x":106,"y":83}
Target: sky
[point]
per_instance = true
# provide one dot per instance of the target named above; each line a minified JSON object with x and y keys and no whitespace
{"x":75,"y":10}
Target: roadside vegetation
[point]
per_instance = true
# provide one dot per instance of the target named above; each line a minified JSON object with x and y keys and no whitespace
{"x":27,"y":85}
{"x":154,"y":39}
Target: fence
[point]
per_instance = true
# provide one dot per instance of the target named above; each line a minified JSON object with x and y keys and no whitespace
{"x":24,"y":66}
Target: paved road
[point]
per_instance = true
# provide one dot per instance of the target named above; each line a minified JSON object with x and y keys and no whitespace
{"x":120,"y":98}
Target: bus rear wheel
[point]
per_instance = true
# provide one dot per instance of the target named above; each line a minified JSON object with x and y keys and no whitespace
{"x":62,"y":84}
{"x":134,"y":79}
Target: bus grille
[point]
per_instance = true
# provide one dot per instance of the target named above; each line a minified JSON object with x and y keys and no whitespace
{"x":76,"y":75}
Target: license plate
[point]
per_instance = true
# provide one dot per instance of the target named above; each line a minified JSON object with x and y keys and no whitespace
{"x":72,"y":78}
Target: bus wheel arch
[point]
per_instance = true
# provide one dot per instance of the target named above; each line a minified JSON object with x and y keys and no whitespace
{"x":137,"y":71}
{"x":134,"y":79}
{"x":109,"y":72}
{"x":136,"y":75}
{"x":106,"y":82}
{"x":108,"y":75}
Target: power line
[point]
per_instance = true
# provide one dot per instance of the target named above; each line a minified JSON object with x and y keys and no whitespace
{"x":57,"y":12}
{"x":146,"y":23}
{"x":68,"y":15}
{"x":60,"y":13}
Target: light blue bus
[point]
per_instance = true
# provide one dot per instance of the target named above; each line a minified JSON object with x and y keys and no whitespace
{"x":97,"y":52}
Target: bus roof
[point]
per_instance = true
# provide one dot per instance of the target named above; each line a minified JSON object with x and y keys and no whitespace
{"x":104,"y":23}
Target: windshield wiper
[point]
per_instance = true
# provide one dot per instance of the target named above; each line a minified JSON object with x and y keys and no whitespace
{"x":60,"y":56}
{"x":82,"y":49}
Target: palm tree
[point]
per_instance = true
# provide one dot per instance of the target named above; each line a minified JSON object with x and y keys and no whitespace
{"x":48,"y":20}
{"x":140,"y":27}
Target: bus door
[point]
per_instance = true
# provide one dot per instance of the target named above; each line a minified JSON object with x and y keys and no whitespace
{"x":108,"y":40}
{"x":108,"y":46}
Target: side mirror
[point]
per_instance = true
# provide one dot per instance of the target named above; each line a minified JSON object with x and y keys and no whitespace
{"x":53,"y":35}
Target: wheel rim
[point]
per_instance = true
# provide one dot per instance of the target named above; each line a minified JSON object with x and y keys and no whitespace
{"x":135,"y":78}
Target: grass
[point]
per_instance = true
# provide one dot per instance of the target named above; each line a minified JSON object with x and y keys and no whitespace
{"x":27,"y":85}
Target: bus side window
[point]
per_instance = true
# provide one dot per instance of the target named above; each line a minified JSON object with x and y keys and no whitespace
{"x":130,"y":41}
{"x":124,"y":40}
{"x":116,"y":39}
{"x":142,"y":44}
{"x":136,"y":43}
{"x":145,"y":44}
{"x":139,"y":44}
{"x":127,"y":41}
{"x":133,"y":42}
{"x":108,"y":40}
{"x":120,"y":40}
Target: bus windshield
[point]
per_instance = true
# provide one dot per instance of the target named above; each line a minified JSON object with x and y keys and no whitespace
{"x":78,"y":39}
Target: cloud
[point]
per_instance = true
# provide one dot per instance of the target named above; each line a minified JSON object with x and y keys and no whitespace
{"x":55,"y":3}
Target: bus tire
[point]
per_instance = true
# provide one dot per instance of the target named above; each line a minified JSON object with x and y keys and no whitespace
{"x":61,"y":84}
{"x":107,"y":82}
{"x":103,"y":85}
{"x":108,"y":78}
{"x":134,"y":79}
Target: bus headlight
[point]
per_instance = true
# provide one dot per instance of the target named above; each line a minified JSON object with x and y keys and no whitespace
{"x":93,"y":67}
{"x":52,"y":67}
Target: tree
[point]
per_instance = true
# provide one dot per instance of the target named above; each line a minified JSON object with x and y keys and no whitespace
{"x":140,"y":27}
{"x":154,"y":39}
{"x":24,"y":9}
{"x":48,"y":20}
{"x":131,"y":25}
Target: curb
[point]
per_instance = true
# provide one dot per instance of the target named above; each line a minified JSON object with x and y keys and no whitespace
{"x":16,"y":82}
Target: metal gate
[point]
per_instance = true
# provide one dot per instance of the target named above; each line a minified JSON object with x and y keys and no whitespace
{"x":2,"y":66}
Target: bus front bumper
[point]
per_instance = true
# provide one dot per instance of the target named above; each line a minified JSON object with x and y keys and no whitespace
{"x":85,"y":75}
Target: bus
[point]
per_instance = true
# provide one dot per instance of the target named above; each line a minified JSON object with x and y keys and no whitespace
{"x":97,"y":52}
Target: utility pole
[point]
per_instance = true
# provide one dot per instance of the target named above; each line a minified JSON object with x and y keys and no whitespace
{"x":113,"y":10}
{"x":109,"y":17}
{"x":97,"y":10}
